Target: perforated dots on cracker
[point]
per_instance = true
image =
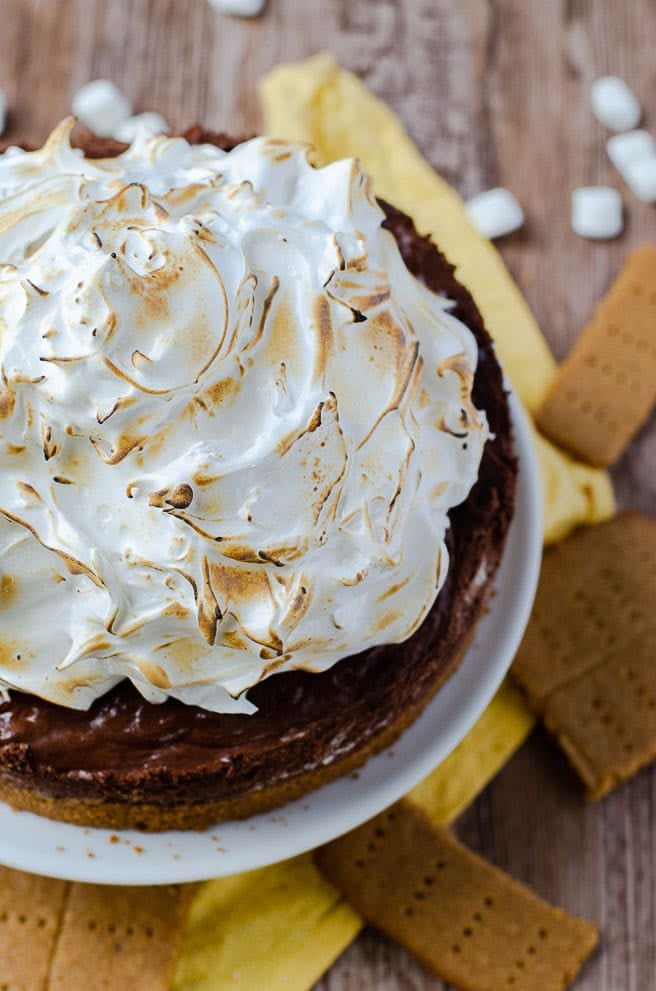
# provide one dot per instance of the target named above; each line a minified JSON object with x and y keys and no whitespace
{"x":606,"y":388}
{"x":30,"y":912}
{"x":605,"y":720}
{"x":586,"y":662}
{"x":597,"y":591}
{"x":464,"y":919}
{"x":122,"y":937}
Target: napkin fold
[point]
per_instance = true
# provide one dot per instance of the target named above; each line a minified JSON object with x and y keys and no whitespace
{"x":282,"y":927}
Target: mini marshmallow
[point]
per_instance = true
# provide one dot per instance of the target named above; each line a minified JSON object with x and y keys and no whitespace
{"x":101,"y":107}
{"x":596,"y":212}
{"x":149,"y":122}
{"x":495,"y":212}
{"x":3,"y":111}
{"x":614,"y":104}
{"x":623,"y":149}
{"x":640,"y":177}
{"x":239,"y":8}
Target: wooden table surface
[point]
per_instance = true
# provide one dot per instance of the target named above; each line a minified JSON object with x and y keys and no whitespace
{"x":494,"y":92}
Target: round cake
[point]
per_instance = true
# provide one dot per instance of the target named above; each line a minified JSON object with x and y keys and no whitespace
{"x":257,"y":476}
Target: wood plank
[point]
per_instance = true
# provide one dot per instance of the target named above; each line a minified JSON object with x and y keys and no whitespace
{"x":494,"y":92}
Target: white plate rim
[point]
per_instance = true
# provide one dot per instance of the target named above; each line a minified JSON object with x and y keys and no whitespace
{"x":32,"y":843}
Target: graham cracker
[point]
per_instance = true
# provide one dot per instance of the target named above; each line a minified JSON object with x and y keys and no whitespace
{"x":465,"y":920}
{"x":606,"y":388}
{"x":30,"y":913}
{"x":605,"y":720}
{"x":597,"y":592}
{"x":119,"y":937}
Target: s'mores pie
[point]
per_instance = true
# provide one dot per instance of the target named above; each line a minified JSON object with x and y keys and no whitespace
{"x":257,"y":475}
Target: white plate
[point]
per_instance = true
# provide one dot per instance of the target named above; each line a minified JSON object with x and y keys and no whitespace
{"x":32,"y":843}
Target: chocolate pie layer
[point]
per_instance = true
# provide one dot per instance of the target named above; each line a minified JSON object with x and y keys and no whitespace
{"x":129,"y":763}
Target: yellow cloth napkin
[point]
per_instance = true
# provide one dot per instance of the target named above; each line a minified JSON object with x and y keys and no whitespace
{"x":281,"y":927}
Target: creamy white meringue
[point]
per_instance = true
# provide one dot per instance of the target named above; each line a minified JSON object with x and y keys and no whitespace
{"x":231,"y":422}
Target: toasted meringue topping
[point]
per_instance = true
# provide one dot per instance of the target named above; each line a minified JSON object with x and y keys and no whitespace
{"x":231,"y":422}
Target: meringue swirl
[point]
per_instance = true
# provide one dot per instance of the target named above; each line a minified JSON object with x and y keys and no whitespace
{"x":232,"y":423}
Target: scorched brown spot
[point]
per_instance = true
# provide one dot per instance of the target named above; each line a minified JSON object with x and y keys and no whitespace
{"x":242,"y":552}
{"x":271,"y":667}
{"x":245,"y":186}
{"x":438,"y":490}
{"x":124,"y":445}
{"x":297,"y":608}
{"x":359,"y":577}
{"x":235,"y":585}
{"x":236,"y":589}
{"x":370,"y":302}
{"x":156,"y":499}
{"x":357,"y":264}
{"x":139,"y":359}
{"x":115,"y":370}
{"x":180,"y":197}
{"x":153,"y":294}
{"x":155,"y":674}
{"x":282,"y":342}
{"x":180,"y":497}
{"x":324,"y":326}
{"x":13,"y":657}
{"x":459,"y":364}
{"x":132,"y":198}
{"x":8,"y":590}
{"x":216,"y":393}
{"x":36,"y":289}
{"x":386,"y":620}
{"x":276,"y":151}
{"x":7,"y":404}
{"x":94,"y":646}
{"x":234,"y":639}
{"x":110,"y":326}
{"x":393,"y":589}
{"x":202,"y":481}
{"x":266,"y":307}
{"x":70,"y":685}
{"x":28,"y":492}
{"x":50,"y":447}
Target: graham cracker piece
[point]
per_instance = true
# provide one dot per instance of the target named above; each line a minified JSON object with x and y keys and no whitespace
{"x":605,"y":720}
{"x":597,"y":592}
{"x":465,"y":920}
{"x":30,"y":914}
{"x":606,"y":387}
{"x":119,"y":937}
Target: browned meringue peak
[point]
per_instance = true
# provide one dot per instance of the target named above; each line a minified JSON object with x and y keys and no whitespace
{"x":232,"y":423}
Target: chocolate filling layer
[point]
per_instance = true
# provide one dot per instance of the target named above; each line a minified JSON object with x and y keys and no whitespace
{"x":126,"y":749}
